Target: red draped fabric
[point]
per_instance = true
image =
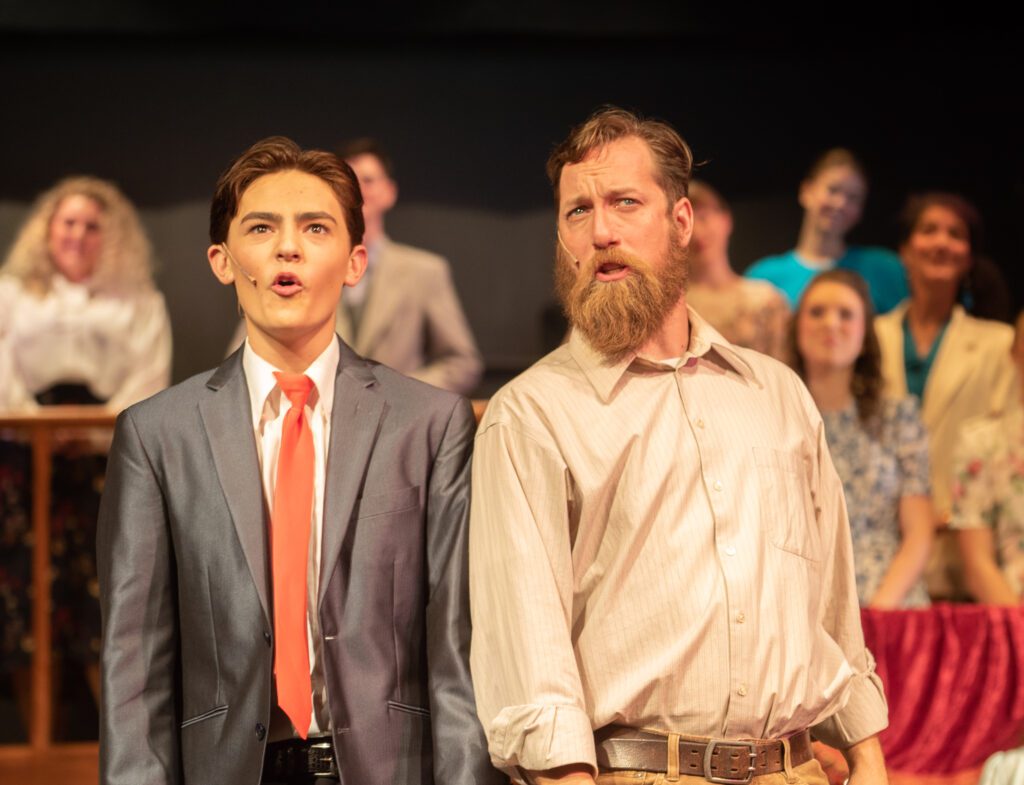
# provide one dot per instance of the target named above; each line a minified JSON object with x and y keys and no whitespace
{"x":954,"y":678}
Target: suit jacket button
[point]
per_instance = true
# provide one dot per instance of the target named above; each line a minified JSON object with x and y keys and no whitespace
{"x":261,"y":732}
{"x":266,"y":637}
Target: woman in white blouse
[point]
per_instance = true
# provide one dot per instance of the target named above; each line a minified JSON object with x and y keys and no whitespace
{"x":80,"y":322}
{"x":77,"y":302}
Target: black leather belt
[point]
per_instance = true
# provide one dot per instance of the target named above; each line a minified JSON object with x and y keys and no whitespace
{"x":295,"y":759}
{"x":728,"y":761}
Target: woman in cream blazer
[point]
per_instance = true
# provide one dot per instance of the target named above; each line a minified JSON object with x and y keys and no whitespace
{"x":970,"y":372}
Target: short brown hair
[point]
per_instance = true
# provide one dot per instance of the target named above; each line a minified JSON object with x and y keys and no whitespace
{"x":866,"y":384}
{"x":367,"y":145}
{"x":278,"y":154}
{"x":956,"y":204}
{"x":672,"y":157}
{"x":703,"y":195}
{"x":830,"y":159}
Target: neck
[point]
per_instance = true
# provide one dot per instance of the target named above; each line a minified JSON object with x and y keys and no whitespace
{"x":931,"y":305}
{"x":673,"y":337}
{"x":830,"y":387}
{"x":816,"y":246}
{"x":293,"y":353}
{"x":716,"y":273}
{"x":374,"y":230}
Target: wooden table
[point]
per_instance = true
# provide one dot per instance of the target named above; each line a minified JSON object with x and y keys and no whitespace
{"x":41,"y":760}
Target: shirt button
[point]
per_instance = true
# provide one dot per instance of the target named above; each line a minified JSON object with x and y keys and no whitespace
{"x":730,"y":551}
{"x":266,"y":637}
{"x":718,"y":485}
{"x":740,"y":618}
{"x":741,"y":690}
{"x":261,"y":732}
{"x":700,"y":423}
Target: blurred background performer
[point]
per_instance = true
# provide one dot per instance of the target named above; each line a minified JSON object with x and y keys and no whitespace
{"x":957,"y":366}
{"x":746,"y":311}
{"x":80,"y":323}
{"x":878,"y":445}
{"x":833,"y":195}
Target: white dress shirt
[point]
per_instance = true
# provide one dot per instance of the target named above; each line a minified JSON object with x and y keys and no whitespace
{"x":269,"y":407}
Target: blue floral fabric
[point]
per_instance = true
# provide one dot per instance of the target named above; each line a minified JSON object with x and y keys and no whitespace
{"x":877,"y":470}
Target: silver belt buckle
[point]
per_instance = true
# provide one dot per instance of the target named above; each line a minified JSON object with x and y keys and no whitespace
{"x":709,"y":751}
{"x":317,"y":755}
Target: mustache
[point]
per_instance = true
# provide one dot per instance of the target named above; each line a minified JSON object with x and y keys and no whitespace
{"x":613,"y":256}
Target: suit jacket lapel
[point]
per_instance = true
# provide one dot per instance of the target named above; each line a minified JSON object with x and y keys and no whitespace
{"x":358,"y":407}
{"x":386,"y":295}
{"x":227,"y":416}
{"x":889,"y":330}
{"x":954,"y":362}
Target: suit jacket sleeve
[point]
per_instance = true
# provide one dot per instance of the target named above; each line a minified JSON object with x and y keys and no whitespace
{"x":452,"y":360}
{"x":460,"y":748}
{"x":139,"y":741}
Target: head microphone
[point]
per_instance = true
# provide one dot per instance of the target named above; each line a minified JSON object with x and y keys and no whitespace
{"x":234,"y":261}
{"x":565,"y":247}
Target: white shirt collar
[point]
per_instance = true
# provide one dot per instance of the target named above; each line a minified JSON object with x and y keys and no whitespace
{"x":259,"y":376}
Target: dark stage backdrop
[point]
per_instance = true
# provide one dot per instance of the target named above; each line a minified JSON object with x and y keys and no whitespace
{"x":471,"y":100}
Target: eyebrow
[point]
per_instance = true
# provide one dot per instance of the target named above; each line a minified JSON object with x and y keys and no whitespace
{"x":316,"y":216}
{"x":278,"y":218}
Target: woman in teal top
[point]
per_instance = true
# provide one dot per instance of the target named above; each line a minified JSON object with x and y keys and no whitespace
{"x":957,"y":365}
{"x":832,"y":196}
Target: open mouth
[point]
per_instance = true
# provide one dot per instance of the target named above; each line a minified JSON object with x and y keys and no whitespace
{"x":611,"y":271}
{"x":286,"y":284}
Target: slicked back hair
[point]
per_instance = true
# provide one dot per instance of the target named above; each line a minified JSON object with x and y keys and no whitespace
{"x":672,"y":157}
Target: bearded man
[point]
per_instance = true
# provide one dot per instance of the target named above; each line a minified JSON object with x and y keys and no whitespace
{"x":661,"y":578}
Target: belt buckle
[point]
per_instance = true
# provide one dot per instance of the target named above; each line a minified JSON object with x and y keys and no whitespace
{"x":321,"y":753}
{"x":709,"y":751}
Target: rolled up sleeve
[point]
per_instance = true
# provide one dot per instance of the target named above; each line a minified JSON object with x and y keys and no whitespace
{"x":529,"y":692}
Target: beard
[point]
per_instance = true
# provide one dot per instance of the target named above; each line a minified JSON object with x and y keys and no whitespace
{"x":618,"y":317}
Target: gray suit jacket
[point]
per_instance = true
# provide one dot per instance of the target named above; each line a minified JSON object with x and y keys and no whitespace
{"x":184,"y":586}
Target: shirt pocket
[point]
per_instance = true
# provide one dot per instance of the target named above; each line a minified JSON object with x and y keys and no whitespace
{"x":787,"y":508}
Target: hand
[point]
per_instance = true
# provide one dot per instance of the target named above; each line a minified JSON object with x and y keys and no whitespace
{"x":867,"y":764}
{"x":573,"y":774}
{"x":832,"y":763}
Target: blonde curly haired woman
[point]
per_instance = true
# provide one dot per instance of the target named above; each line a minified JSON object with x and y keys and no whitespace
{"x":80,"y":322}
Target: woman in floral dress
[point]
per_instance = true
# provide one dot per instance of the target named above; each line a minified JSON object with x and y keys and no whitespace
{"x":988,"y":496}
{"x":879,"y":446}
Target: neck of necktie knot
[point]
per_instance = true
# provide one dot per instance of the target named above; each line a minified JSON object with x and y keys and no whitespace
{"x":295,"y":386}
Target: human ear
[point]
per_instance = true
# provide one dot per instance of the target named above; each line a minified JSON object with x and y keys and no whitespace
{"x":682,"y":219}
{"x":356,"y":265}
{"x":220,"y":264}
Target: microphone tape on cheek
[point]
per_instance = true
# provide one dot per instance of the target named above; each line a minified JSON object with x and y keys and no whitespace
{"x":565,"y":248}
{"x":242,"y":270}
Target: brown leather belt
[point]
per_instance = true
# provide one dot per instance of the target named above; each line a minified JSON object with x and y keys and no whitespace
{"x":732,"y":762}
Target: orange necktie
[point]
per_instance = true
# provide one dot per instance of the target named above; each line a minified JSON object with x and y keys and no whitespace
{"x":289,"y":536}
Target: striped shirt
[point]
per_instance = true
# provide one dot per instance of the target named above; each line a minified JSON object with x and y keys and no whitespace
{"x":662,"y":545}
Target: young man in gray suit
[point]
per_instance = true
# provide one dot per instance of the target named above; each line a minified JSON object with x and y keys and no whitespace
{"x":226,"y":657}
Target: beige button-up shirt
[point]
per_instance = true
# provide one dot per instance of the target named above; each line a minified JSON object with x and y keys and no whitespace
{"x":664,"y":546}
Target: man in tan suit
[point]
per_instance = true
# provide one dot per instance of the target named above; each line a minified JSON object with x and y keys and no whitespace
{"x":405,"y":312}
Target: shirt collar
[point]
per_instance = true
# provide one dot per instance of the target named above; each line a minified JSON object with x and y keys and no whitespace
{"x":705,"y":340}
{"x":259,"y":376}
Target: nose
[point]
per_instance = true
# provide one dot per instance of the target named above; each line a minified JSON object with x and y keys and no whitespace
{"x":605,"y":234}
{"x":288,"y":249}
